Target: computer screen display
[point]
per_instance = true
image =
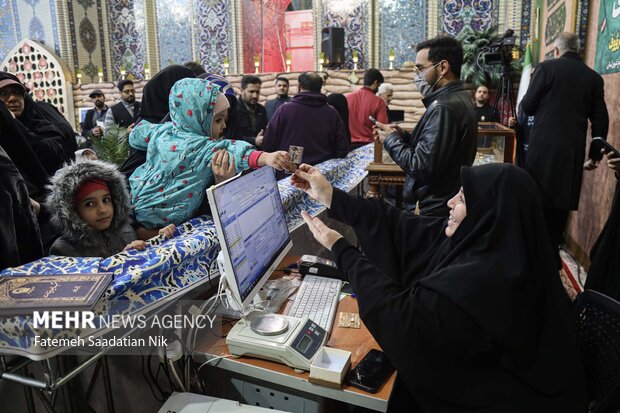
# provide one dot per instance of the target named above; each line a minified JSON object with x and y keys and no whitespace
{"x":250,"y":216}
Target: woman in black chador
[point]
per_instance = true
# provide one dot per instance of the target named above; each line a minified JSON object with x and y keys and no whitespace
{"x":604,"y":272}
{"x":471,"y":312}
{"x":49,"y":135}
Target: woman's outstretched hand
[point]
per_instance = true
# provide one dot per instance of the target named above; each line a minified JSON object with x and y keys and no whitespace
{"x":311,"y":181}
{"x":326,"y":236}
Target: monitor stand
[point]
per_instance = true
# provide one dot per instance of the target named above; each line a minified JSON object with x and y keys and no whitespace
{"x":235,"y":309}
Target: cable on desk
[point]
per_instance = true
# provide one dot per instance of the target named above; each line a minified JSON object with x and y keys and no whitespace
{"x":176,"y":375}
{"x":187,"y":365}
{"x":153,"y":376}
{"x":149,"y":382}
{"x":193,"y":334}
{"x":213,"y":359}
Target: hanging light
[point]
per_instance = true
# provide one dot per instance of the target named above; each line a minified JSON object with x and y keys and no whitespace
{"x":341,"y":6}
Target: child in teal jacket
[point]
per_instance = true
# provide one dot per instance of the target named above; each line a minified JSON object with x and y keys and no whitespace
{"x":170,"y":186}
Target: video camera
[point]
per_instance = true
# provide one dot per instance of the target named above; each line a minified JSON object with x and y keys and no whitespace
{"x":499,"y":51}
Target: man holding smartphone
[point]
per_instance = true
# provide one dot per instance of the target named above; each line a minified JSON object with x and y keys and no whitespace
{"x":444,"y":139}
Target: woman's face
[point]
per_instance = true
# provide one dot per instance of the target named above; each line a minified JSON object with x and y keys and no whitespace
{"x":458,"y":211}
{"x":13,"y":97}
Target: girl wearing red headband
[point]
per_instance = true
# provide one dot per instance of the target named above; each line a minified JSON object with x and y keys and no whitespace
{"x":89,"y":204}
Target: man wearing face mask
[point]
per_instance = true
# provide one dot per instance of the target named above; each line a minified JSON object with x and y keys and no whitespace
{"x":444,"y":138}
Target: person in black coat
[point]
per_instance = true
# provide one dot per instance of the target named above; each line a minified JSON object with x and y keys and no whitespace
{"x":469,"y":310}
{"x":484,"y":111}
{"x":445,"y":137}
{"x":20,"y":239}
{"x":49,"y":135}
{"x":249,"y":120}
{"x":604,"y":272}
{"x":557,"y":142}
{"x":95,"y":117}
{"x":14,"y":140}
{"x":339,"y":102}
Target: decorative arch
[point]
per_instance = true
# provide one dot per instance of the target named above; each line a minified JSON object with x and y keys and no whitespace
{"x":43,"y":73}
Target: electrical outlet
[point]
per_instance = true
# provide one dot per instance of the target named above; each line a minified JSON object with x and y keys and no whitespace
{"x":174,"y":350}
{"x":255,"y":395}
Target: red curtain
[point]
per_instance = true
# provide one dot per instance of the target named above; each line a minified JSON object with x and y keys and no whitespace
{"x":264,"y":17}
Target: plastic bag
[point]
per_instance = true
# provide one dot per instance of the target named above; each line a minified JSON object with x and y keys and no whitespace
{"x":274,"y":293}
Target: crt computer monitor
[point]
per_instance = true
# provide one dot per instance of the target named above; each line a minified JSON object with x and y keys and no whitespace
{"x":251,"y":227}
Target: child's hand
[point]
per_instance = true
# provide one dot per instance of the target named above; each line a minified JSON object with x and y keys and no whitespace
{"x":223,"y":166}
{"x":167,"y":231}
{"x":278,"y":160}
{"x":137,"y":245}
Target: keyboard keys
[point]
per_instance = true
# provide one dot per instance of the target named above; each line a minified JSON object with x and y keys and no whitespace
{"x":317,"y":298}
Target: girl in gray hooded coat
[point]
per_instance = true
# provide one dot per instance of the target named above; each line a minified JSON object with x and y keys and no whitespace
{"x":89,"y":204}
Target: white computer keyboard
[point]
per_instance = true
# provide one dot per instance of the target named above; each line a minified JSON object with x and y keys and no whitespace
{"x":317,"y":298}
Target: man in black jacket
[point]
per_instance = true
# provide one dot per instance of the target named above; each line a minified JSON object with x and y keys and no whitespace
{"x":484,"y":111}
{"x":557,"y":143}
{"x":94,"y":118}
{"x":445,"y":137}
{"x":250,"y":119}
{"x":282,"y":97}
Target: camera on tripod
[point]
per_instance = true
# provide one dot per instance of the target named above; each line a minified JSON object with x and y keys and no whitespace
{"x":499,"y":51}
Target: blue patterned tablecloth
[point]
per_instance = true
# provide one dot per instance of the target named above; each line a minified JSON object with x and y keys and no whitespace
{"x":142,"y":279}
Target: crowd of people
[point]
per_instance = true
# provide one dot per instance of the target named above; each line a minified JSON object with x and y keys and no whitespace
{"x":463,"y":296}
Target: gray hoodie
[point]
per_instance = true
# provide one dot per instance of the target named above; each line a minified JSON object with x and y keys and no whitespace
{"x":77,"y":238}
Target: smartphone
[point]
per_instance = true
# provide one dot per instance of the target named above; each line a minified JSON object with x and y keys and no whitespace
{"x":606,"y":146}
{"x":373,"y":120}
{"x":346,"y":288}
{"x":371,"y":372}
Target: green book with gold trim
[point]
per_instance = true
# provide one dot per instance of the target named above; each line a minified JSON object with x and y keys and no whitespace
{"x":25,"y":293}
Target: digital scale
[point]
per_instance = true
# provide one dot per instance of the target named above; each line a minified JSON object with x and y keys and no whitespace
{"x":289,"y":340}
